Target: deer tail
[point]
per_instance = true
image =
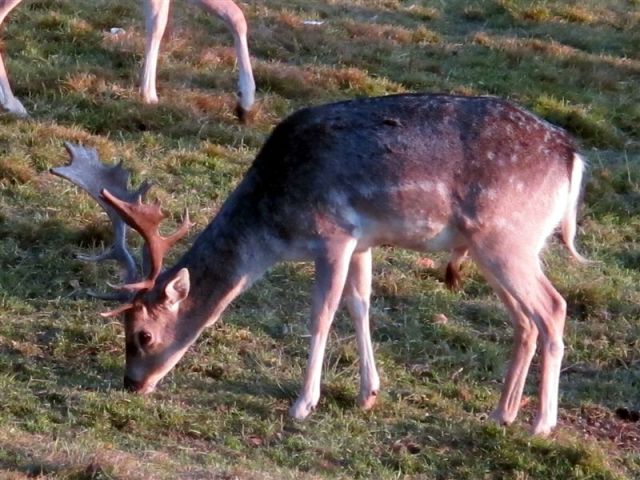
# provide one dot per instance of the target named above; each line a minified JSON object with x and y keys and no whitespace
{"x":569,"y":221}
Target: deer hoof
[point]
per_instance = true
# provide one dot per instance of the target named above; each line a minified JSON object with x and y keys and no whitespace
{"x":244,"y":116}
{"x":366,"y":401}
{"x":15,"y":108}
{"x":301,"y":409}
{"x":542,"y":428}
{"x":150,"y":99}
{"x":501,"y":418}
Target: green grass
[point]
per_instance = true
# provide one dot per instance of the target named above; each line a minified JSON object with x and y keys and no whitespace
{"x":222,"y":413}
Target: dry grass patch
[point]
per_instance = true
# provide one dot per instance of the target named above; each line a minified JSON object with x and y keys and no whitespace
{"x":374,"y":31}
{"x":222,"y":411}
{"x":16,"y":170}
{"x":577,"y":14}
{"x":217,"y":56}
{"x":578,"y":119}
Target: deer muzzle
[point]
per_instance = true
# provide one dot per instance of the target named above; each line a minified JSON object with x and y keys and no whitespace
{"x":137,"y":387}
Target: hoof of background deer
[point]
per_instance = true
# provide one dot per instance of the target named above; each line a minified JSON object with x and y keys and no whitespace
{"x":150,"y":99}
{"x":367,"y":400}
{"x":15,"y":108}
{"x":301,"y":409}
{"x":244,"y":115}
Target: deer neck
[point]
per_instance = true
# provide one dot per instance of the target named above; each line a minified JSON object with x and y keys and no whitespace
{"x":232,"y":252}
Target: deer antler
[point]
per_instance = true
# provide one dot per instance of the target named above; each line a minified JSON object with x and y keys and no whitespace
{"x":89,"y":173}
{"x":145,"y":218}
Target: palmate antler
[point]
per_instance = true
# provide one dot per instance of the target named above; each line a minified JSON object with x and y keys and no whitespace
{"x":108,"y":185}
{"x":146,"y":218}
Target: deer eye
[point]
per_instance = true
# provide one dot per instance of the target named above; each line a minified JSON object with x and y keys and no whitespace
{"x":144,"y":338}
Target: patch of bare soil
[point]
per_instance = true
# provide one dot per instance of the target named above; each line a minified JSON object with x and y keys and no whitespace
{"x":620,"y":427}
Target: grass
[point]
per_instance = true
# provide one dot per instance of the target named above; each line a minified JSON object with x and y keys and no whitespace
{"x":222,"y":412}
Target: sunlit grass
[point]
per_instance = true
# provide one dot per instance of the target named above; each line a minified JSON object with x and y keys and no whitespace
{"x":223,"y":412}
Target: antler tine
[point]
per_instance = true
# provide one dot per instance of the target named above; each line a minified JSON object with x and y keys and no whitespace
{"x":146,"y":218}
{"x":89,"y":173}
{"x":182,"y":230}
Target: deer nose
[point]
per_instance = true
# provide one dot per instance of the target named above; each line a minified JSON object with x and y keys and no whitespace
{"x":131,"y":385}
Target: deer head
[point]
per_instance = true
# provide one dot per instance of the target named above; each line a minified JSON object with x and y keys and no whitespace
{"x":153,"y":346}
{"x":108,"y":185}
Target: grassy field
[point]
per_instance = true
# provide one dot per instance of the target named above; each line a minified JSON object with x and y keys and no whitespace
{"x":222,"y":413}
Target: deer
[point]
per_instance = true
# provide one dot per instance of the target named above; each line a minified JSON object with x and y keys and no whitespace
{"x":475,"y":176}
{"x":156,"y":13}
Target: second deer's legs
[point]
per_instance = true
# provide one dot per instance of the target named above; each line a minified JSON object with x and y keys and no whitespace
{"x":7,"y":100}
{"x":156,"y":13}
{"x":232,"y":16}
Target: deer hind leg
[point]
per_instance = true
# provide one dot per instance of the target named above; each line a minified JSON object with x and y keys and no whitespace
{"x":331,"y":274}
{"x":534,"y":305}
{"x":524,"y":347}
{"x":156,"y":13}
{"x":235,"y":21}
{"x":356,"y":296}
{"x":7,"y":101}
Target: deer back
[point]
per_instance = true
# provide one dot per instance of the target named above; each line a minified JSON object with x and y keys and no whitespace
{"x":420,"y":171}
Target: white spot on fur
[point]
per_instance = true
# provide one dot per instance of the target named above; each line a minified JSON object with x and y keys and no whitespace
{"x":442,"y":189}
{"x":423,"y":186}
{"x":502,"y":223}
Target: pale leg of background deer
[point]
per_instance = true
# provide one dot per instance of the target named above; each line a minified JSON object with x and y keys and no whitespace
{"x":7,"y":100}
{"x":331,"y":274}
{"x":532,"y":300}
{"x":156,"y":13}
{"x":235,"y":21}
{"x":357,"y":297}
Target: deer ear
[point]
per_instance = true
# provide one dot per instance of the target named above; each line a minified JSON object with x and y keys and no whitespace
{"x":178,"y":288}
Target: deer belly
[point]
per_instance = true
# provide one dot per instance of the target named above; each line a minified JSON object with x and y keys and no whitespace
{"x":420,"y":235}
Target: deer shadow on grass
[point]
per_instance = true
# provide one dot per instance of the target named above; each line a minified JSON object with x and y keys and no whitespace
{"x":25,"y":461}
{"x":22,"y":461}
{"x":39,"y":256}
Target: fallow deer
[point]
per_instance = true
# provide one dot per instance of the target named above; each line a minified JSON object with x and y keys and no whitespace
{"x":156,"y":13}
{"x":424,"y":172}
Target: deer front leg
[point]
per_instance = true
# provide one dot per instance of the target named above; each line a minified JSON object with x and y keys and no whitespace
{"x":156,"y":13}
{"x":8,"y":102}
{"x":357,"y":295}
{"x":235,"y":21}
{"x":331,"y":272}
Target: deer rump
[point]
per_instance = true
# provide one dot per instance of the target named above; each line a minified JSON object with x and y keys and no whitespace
{"x":426,"y":172}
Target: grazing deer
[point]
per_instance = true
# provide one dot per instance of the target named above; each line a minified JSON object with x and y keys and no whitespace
{"x":156,"y":13}
{"x":425,"y":172}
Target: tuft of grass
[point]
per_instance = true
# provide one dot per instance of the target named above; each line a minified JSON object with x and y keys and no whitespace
{"x":588,"y":125}
{"x":222,"y":413}
{"x":16,"y":170}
